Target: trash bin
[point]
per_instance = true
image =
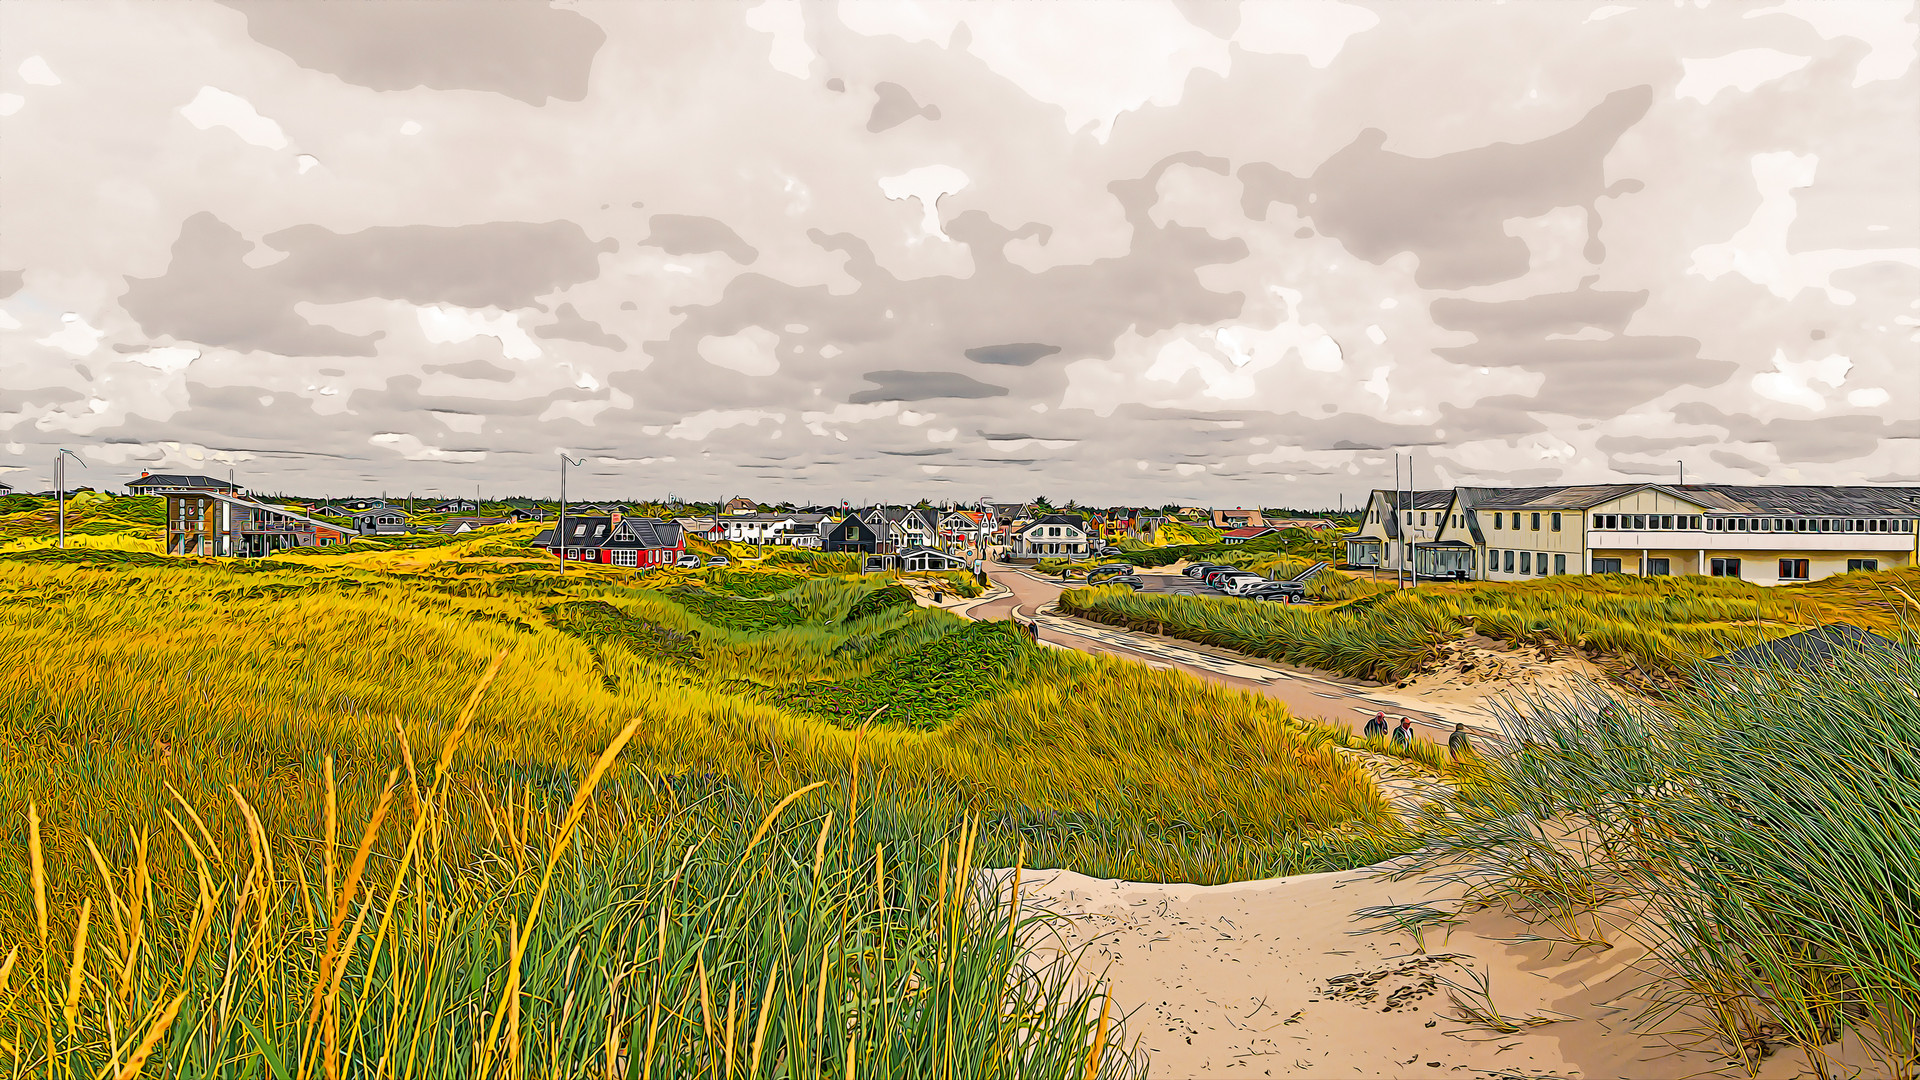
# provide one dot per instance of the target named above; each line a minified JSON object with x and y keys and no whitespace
{"x":936,"y":597}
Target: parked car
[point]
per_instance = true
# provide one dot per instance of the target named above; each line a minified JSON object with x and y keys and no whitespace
{"x":1238,"y":584}
{"x":1201,"y":570}
{"x":1130,"y":580}
{"x":1287,"y":591}
{"x":719,"y":560}
{"x":689,"y":560}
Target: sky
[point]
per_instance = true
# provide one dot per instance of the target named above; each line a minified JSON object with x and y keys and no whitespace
{"x":1124,"y":252}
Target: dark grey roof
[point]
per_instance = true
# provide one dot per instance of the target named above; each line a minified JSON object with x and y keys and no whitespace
{"x":1808,"y":649}
{"x":1718,"y":498}
{"x":180,"y":480}
{"x":598,"y":531}
{"x":1435,"y":499}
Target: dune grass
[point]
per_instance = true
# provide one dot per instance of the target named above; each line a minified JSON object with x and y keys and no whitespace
{"x":1757,"y":833}
{"x":1661,"y":624}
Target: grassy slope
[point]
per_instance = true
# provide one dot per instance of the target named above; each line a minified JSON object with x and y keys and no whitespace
{"x":1662,"y":624}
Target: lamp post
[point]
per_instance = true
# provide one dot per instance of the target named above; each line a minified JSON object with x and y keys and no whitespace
{"x":560,"y":523}
{"x":60,"y":486}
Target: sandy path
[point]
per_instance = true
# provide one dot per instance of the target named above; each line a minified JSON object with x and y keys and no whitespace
{"x":1263,"y":978}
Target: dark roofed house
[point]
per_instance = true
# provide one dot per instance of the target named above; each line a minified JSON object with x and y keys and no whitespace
{"x":458,"y":525}
{"x":381,"y":521}
{"x":162,"y":483}
{"x":216,"y":523}
{"x":615,"y":540}
{"x":1241,"y":536}
{"x":455,"y":506}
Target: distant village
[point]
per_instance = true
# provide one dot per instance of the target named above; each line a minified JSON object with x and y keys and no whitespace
{"x":1770,"y":535}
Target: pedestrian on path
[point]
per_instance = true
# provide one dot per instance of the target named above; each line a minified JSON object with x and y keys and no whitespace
{"x":1403,"y":735}
{"x":1376,"y":728}
{"x":1459,"y":746}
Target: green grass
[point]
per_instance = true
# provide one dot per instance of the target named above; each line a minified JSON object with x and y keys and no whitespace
{"x":1757,"y":834}
{"x":922,"y":687}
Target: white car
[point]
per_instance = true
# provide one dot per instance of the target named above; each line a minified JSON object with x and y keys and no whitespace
{"x":719,"y":560}
{"x":1232,"y":584}
{"x":689,"y":561}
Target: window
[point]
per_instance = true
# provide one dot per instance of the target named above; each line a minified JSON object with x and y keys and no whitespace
{"x":626,"y":557}
{"x":1559,"y":564}
{"x":1606,"y":566}
{"x":1724,"y":567}
{"x":1509,"y":566}
{"x":1526,"y":562}
{"x":1496,"y":520}
{"x":1540,"y":564}
{"x":1657,"y":567}
{"x":1793,"y":569}
{"x":1862,"y":564}
{"x":1639,"y":521}
{"x":1556,"y":523}
{"x":1536,"y":522}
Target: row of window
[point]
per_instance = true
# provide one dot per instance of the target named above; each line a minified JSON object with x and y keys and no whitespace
{"x":1500,"y":520}
{"x":1648,"y":522}
{"x":1809,"y":525}
{"x":1525,"y":562}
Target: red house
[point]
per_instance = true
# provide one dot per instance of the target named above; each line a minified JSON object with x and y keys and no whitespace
{"x":613,"y":540}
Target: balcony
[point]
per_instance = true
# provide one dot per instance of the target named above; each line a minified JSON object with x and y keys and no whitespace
{"x":1696,"y":539}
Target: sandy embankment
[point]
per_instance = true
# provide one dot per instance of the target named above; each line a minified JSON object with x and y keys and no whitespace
{"x":1264,"y":978}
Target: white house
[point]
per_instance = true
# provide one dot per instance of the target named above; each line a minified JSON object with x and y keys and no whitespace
{"x":1051,"y":536}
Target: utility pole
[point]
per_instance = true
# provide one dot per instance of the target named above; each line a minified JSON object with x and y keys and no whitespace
{"x":560,"y":523}
{"x":1683,"y":473}
{"x":60,"y":486}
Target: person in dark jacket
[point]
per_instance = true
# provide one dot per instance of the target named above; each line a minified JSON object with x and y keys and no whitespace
{"x":1403,"y":735}
{"x":1459,"y":745}
{"x":1376,"y":728}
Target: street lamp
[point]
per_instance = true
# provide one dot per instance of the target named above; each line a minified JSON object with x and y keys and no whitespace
{"x":560,"y":523}
{"x":60,"y":486}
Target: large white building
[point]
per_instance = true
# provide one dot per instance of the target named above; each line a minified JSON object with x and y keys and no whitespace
{"x":1770,"y":535}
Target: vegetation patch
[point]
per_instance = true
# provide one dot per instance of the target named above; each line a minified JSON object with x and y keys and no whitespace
{"x":878,"y":601}
{"x":736,"y":613}
{"x":921,"y":688}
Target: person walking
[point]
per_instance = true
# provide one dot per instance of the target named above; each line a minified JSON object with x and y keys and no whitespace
{"x":1403,"y":735}
{"x":1459,"y":746}
{"x":1376,"y":728}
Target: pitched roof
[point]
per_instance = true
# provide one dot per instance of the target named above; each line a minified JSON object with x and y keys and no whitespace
{"x":1435,"y":499}
{"x":1723,"y":498}
{"x":192,"y":481}
{"x":1250,"y":532}
{"x":595,"y":531}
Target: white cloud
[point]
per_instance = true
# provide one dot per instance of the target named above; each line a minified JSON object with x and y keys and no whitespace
{"x":700,"y":425}
{"x":1759,"y":252}
{"x":7,"y":321}
{"x":1606,"y":11}
{"x":212,"y":108}
{"x":168,"y":359}
{"x":1314,"y":29}
{"x":1704,"y":79}
{"x":1868,"y":398}
{"x":1886,"y":26}
{"x":411,"y":448}
{"x":786,"y":20}
{"x":446,"y":324}
{"x":909,"y":418}
{"x":305,"y":162}
{"x":1094,"y":58}
{"x":34,"y":70}
{"x":928,"y":184}
{"x":1376,"y":384}
{"x":10,"y":104}
{"x":930,"y":20}
{"x":1189,"y":469}
{"x":410,"y":127}
{"x":74,"y":336}
{"x":942,"y":435}
{"x":1789,"y":382}
{"x":1376,"y":335}
{"x":750,"y":352}
{"x":464,"y":423}
{"x":845,"y":413}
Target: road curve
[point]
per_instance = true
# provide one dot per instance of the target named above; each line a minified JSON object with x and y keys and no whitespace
{"x":1307,"y":696}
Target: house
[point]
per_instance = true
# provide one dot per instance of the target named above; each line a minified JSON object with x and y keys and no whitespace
{"x":1770,"y":535}
{"x":1241,"y":536}
{"x":862,"y":534}
{"x":615,"y":540}
{"x":460,"y":525}
{"x":703,"y":528}
{"x":1312,"y":524}
{"x":163,"y":483}
{"x":808,"y":531}
{"x":6,"y":489}
{"x":919,"y":559}
{"x":381,"y":521}
{"x":527,"y":513}
{"x":964,"y":530}
{"x":1051,"y":536}
{"x":1146,"y":527}
{"x":756,"y":528}
{"x":740,"y":504}
{"x":1238,"y":518}
{"x":1808,"y":650}
{"x":208,"y":522}
{"x":455,"y":506}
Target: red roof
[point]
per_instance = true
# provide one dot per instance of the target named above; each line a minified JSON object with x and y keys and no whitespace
{"x":1250,"y":533}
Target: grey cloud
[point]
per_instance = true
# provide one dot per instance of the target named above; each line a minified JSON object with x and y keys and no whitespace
{"x":1450,"y":210}
{"x":895,"y":106}
{"x":923,"y":386}
{"x":1825,"y":439}
{"x":934,"y":451}
{"x":472,"y":369}
{"x":573,"y":326}
{"x":209,"y":295}
{"x":10,"y":282}
{"x":1600,"y":378}
{"x":523,"y":49}
{"x":1018,"y":354}
{"x":689,"y":234}
{"x":1644,"y":444}
{"x":1738,"y":461}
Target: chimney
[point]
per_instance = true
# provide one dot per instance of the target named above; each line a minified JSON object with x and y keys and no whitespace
{"x":616,"y":517}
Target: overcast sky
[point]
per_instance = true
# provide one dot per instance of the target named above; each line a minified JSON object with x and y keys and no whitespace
{"x":1142,"y":251}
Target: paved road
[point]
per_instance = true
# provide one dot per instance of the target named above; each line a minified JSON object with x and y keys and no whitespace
{"x":1305,"y":695}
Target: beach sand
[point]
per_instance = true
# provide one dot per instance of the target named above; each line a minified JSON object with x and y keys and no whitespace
{"x":1264,"y":978}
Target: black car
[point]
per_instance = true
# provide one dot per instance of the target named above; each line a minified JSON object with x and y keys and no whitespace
{"x":1288,"y":591}
{"x":1130,"y":580}
{"x":1201,"y":570}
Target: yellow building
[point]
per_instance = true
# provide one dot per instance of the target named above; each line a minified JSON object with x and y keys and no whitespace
{"x":1770,"y":535}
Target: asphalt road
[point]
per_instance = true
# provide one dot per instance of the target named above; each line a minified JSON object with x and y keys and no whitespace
{"x":1308,"y":696}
